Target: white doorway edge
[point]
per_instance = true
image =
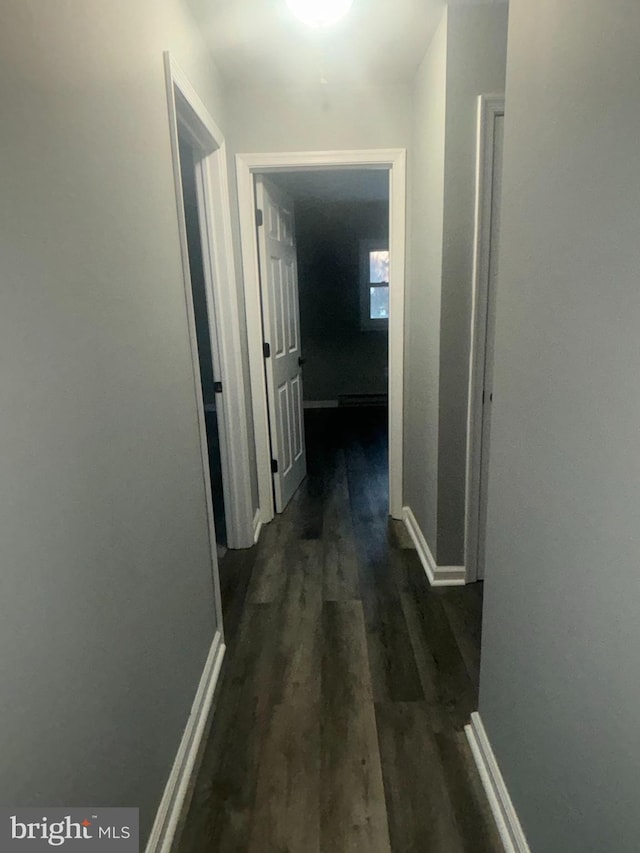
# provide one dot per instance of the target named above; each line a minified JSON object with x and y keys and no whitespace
{"x":392,"y":160}
{"x":188,"y":111}
{"x":489,"y":106}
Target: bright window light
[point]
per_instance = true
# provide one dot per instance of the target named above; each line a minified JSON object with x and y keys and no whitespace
{"x":374,"y":285}
{"x":319,"y":13}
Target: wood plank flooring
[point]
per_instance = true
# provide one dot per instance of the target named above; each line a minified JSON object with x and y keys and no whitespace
{"x":347,"y":680}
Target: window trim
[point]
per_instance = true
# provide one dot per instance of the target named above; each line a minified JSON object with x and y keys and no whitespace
{"x":366,"y":322}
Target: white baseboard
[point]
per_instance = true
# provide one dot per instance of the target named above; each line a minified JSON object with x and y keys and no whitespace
{"x":437,"y":575}
{"x":320,"y":404}
{"x":511,"y":833}
{"x":257,"y":526}
{"x":171,"y":804}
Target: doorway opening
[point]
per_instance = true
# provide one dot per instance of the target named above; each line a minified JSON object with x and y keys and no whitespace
{"x":328,"y":308}
{"x":341,"y":225}
{"x":261,"y":179}
{"x":205,"y":326}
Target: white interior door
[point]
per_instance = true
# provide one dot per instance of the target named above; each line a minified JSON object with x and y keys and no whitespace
{"x":496,"y":192}
{"x":281,"y":329}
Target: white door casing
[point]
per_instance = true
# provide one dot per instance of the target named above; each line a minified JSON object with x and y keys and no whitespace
{"x":188,"y":114}
{"x":487,"y":230}
{"x":485,"y":441}
{"x":392,"y":161}
{"x":281,"y":326}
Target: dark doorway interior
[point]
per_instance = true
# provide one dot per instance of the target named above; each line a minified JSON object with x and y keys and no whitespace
{"x":346,"y":354}
{"x":203,"y":331}
{"x":338,"y":216}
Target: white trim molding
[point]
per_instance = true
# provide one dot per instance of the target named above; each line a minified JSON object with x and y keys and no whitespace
{"x":437,"y":575}
{"x":507,"y":821}
{"x":189,"y":117}
{"x":320,"y":404}
{"x":394,"y":162}
{"x":489,"y":106}
{"x":173,"y":798}
{"x":257,"y":527}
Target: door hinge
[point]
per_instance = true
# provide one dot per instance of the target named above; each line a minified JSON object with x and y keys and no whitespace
{"x":259,"y":217}
{"x":266,"y":350}
{"x":217,"y":387}
{"x":274,"y":466}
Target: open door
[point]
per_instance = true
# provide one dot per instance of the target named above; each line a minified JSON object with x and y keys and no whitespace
{"x":281,"y":330}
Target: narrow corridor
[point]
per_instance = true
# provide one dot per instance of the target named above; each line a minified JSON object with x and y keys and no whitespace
{"x":347,"y":679}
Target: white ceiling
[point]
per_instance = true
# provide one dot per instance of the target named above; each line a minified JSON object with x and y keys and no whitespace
{"x":336,"y":184}
{"x":259,"y":42}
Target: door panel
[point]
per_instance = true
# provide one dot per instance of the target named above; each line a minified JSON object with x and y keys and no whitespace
{"x":281,"y":327}
{"x":297,"y":406}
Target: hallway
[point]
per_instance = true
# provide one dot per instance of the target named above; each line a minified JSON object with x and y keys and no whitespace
{"x":347,"y":679}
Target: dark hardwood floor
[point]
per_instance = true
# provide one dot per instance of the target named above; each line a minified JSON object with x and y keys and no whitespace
{"x":347,"y":679}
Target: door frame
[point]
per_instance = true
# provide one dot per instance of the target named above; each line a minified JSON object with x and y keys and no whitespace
{"x":391,"y":160}
{"x":189,"y":116}
{"x":489,"y":107}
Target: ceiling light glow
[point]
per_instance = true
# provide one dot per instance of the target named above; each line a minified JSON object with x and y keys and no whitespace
{"x":319,"y":13}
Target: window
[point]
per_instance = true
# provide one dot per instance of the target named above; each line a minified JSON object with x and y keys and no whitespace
{"x":374,"y":284}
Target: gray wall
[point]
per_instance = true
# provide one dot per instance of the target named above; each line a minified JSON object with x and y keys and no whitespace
{"x":106,"y":608}
{"x":466,"y":58}
{"x":476,"y":61}
{"x":321,"y":118}
{"x":560,"y":680}
{"x":423,"y":284}
{"x":341,"y":358}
